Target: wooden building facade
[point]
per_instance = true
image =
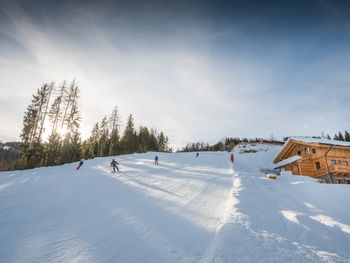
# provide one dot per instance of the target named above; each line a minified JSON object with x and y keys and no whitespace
{"x":323,"y":159}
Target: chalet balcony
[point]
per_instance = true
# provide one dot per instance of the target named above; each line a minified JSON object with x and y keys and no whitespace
{"x":339,"y":169}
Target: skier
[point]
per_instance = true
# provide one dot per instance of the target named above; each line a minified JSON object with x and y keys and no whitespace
{"x":232,"y":158}
{"x":156,"y":160}
{"x":79,"y":165}
{"x":114,"y":164}
{"x":197,"y":154}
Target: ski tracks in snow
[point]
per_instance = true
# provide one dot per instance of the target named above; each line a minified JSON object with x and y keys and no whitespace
{"x":200,"y":195}
{"x":230,"y":214}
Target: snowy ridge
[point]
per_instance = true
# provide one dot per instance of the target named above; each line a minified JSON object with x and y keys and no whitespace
{"x":187,"y":209}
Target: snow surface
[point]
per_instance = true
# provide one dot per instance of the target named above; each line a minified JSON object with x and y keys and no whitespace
{"x":187,"y":209}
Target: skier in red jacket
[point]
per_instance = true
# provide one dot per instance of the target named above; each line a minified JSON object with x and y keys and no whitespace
{"x":232,"y":158}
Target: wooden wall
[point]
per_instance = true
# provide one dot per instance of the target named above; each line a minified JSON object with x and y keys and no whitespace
{"x":307,"y":165}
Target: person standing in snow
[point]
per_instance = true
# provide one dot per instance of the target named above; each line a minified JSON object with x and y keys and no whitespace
{"x":232,"y":158}
{"x":79,"y":165}
{"x":114,"y":165}
{"x":197,"y":154}
{"x":156,"y":160}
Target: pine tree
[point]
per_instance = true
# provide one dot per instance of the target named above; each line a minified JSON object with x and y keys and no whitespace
{"x":32,"y":152}
{"x":40,"y":102}
{"x":114,"y":120}
{"x":104,"y":137}
{"x":114,"y":143}
{"x":62,"y":113}
{"x":71,"y":147}
{"x":55,"y":113}
{"x":46,"y":94}
{"x":340,"y":137}
{"x":129,"y":139}
{"x":67,"y":101}
{"x":29,"y":123}
{"x":347,"y":136}
{"x":72,"y":115}
{"x":153,"y":142}
{"x":163,"y":143}
{"x":143,"y":139}
{"x":95,"y":139}
{"x":52,"y":148}
{"x":35,"y":155}
{"x":87,"y":150}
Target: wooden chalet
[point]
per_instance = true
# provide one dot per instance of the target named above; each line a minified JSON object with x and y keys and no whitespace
{"x":319,"y":158}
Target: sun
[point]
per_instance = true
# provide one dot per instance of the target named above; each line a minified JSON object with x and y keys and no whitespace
{"x":62,"y":131}
{"x":47,"y":131}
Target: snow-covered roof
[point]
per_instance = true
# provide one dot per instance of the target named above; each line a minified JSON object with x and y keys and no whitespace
{"x":287,"y":161}
{"x":316,"y":140}
{"x":311,"y":140}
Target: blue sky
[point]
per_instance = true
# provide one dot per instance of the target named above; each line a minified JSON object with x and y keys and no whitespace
{"x":197,"y":70}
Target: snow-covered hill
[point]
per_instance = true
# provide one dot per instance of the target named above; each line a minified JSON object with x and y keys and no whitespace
{"x":187,"y":209}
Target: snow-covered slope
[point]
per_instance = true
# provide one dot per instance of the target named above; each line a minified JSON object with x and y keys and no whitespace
{"x":291,"y":219}
{"x":187,"y":209}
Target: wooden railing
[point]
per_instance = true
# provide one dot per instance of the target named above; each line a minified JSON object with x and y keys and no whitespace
{"x":339,"y":169}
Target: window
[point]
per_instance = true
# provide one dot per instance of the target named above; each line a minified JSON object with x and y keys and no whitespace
{"x":307,"y":150}
{"x":345,"y":163}
{"x":318,"y":165}
{"x":313,"y":150}
{"x":333,"y":162}
{"x":299,"y":153}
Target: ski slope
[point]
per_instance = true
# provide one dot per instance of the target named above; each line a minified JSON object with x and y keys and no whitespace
{"x":187,"y":209}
